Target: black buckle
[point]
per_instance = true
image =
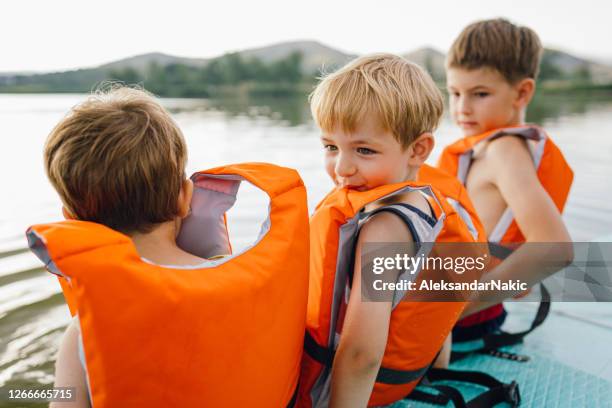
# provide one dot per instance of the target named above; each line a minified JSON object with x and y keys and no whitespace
{"x":512,"y":394}
{"x":506,"y":355}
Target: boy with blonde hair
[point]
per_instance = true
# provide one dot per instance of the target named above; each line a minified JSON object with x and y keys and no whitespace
{"x":516,"y":177}
{"x":376,"y":116}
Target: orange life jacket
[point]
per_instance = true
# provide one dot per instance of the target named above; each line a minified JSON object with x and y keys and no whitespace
{"x":552,"y":170}
{"x":225,"y":333}
{"x":417,"y":329}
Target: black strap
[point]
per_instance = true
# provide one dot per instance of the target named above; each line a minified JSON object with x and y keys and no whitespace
{"x":497,"y":391}
{"x":325,"y":356}
{"x":445,"y":395}
{"x":500,"y":251}
{"x":431,"y":220}
{"x":397,"y":377}
{"x":435,"y":399}
{"x":493,"y":341}
{"x":496,"y":340}
{"x":320,"y":354}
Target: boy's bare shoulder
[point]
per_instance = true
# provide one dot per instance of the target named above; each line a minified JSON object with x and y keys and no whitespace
{"x":383,"y":227}
{"x":507,"y":152}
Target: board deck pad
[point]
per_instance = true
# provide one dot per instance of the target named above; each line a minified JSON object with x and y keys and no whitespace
{"x":542,"y":381}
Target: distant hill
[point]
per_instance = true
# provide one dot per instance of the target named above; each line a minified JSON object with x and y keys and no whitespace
{"x":143,"y":61}
{"x":430,"y":59}
{"x":316,"y":57}
{"x":571,"y":65}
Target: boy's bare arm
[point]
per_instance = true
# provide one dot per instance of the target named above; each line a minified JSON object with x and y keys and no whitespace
{"x":68,"y":369}
{"x":514,"y":174}
{"x":366,"y":325}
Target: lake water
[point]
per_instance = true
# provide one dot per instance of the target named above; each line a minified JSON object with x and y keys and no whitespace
{"x":32,"y":311}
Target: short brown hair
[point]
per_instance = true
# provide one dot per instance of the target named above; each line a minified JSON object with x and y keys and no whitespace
{"x":401,"y":94}
{"x":118,"y":159}
{"x":513,"y":51}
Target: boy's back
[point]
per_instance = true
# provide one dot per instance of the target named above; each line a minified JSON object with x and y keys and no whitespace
{"x":118,"y":162}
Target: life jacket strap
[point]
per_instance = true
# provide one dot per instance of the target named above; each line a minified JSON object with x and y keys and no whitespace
{"x":499,"y":251}
{"x":497,"y":392}
{"x":325,"y":356}
{"x":493,"y":341}
{"x":321,"y":354}
{"x":398,"y":377}
{"x":496,"y":340}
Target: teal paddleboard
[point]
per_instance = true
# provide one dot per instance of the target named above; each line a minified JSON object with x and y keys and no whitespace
{"x":542,"y":382}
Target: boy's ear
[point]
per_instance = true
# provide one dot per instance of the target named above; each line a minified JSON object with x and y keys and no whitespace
{"x":67,"y":214}
{"x":525,"y":89}
{"x":184,"y":199}
{"x":421,"y":148}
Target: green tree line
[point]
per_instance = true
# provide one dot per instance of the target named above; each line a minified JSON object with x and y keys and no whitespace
{"x":221,"y":75}
{"x":228,"y":74}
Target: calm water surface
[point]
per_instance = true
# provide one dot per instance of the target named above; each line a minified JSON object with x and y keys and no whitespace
{"x":32,"y":311}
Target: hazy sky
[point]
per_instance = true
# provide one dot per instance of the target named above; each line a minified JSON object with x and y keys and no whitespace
{"x":65,"y":34}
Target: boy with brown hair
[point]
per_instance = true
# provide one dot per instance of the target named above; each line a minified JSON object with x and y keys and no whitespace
{"x":147,"y":304}
{"x":516,"y":177}
{"x":119,"y":159}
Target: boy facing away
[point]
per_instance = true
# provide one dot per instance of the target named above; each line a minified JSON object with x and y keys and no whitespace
{"x":491,"y":74}
{"x":157,"y":326}
{"x":118,"y":159}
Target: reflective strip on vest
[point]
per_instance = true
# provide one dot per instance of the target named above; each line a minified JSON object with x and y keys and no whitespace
{"x":465,"y":216}
{"x":39,"y":247}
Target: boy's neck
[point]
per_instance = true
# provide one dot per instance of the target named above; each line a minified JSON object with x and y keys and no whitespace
{"x":159,"y":246}
{"x":513,"y":123}
{"x":518,"y":119}
{"x":411,"y":174}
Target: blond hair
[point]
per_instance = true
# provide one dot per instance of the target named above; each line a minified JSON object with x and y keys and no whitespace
{"x":513,"y":51}
{"x":118,"y":159}
{"x":403,"y":97}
